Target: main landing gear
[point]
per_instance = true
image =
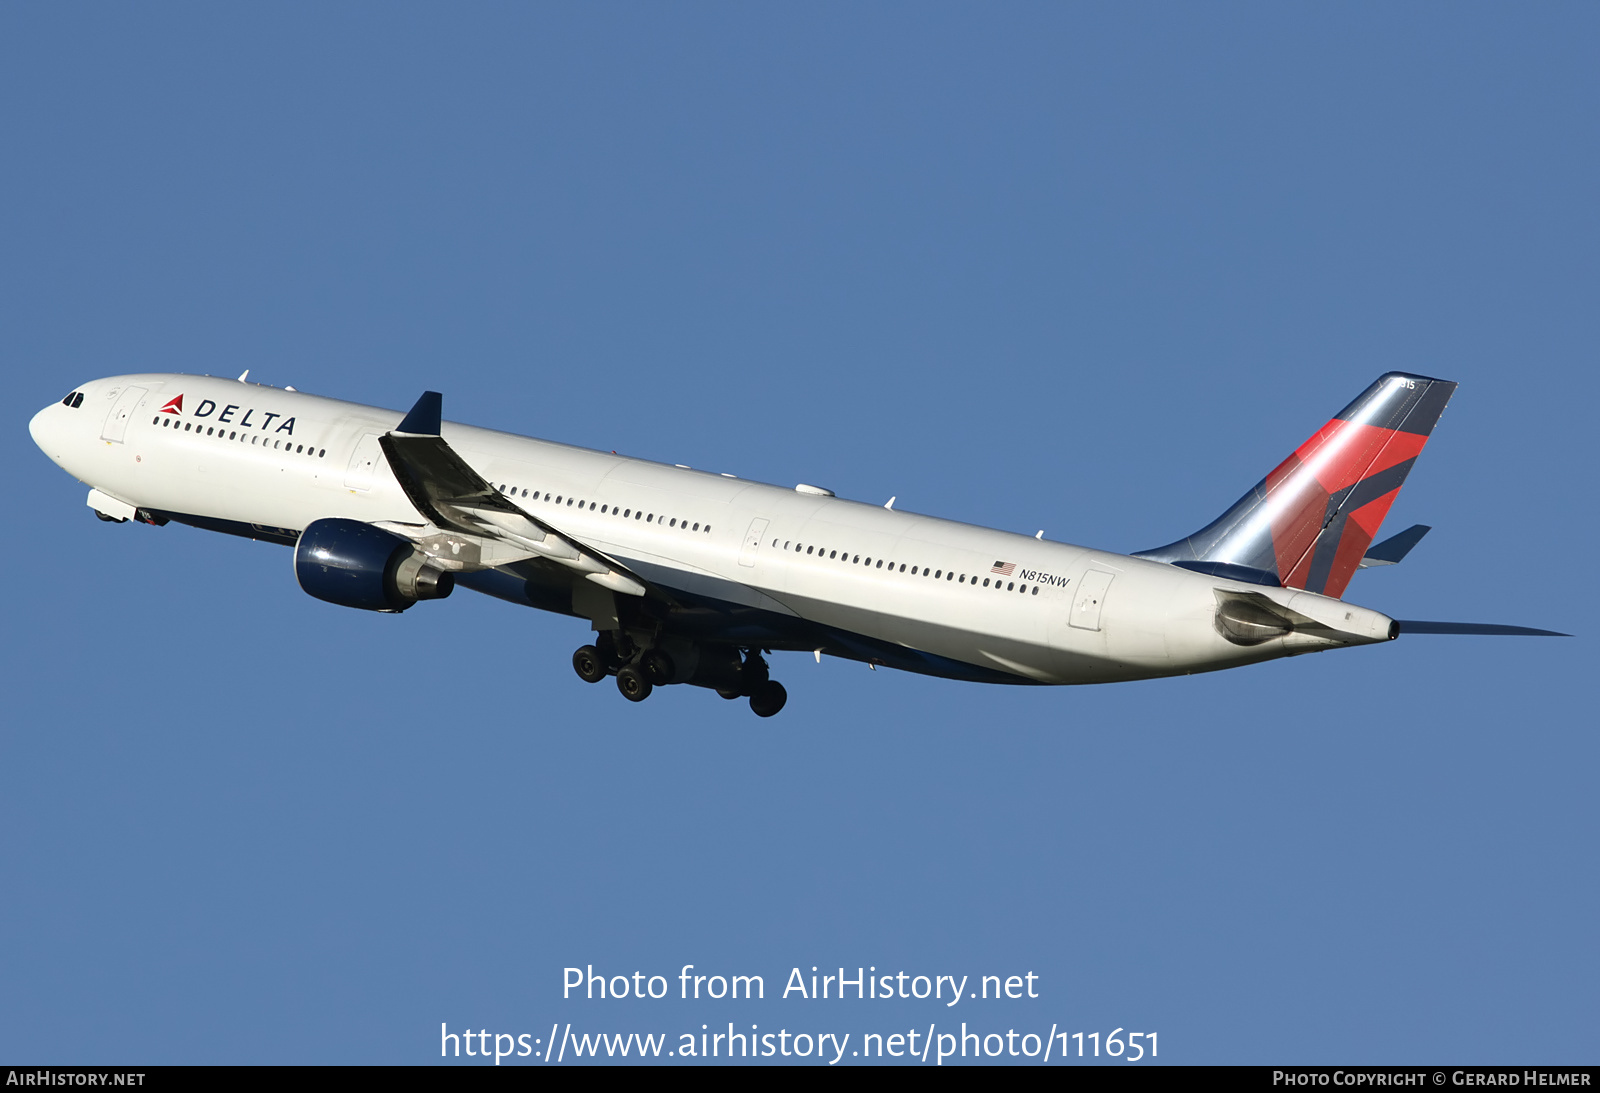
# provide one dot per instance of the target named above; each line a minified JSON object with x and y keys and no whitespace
{"x":721,"y":669}
{"x":768,"y":698}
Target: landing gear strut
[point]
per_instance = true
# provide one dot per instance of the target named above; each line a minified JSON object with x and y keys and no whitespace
{"x":767,"y":695}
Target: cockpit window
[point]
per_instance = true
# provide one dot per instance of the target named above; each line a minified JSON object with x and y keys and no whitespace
{"x":75,"y":399}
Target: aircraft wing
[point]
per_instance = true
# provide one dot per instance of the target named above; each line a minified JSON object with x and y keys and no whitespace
{"x":446,"y":490}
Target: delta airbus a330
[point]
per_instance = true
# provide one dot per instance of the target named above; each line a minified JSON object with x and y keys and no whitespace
{"x":688,"y":577}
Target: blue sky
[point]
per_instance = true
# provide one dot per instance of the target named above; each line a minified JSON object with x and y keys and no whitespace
{"x":1091,"y":269}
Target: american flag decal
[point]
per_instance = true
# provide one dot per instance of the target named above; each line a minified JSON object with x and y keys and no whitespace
{"x":1005,"y":569}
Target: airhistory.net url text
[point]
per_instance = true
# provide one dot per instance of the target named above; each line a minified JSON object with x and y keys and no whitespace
{"x":918,"y":1045}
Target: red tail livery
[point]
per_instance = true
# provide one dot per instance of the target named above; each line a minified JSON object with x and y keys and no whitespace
{"x":1308,"y":523}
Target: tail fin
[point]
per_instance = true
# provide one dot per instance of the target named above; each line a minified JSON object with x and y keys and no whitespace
{"x":1308,"y":523}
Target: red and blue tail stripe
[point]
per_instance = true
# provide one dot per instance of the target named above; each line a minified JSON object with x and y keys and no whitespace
{"x":1309,"y":522}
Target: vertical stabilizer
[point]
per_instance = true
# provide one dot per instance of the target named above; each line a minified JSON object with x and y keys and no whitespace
{"x":1308,"y":523}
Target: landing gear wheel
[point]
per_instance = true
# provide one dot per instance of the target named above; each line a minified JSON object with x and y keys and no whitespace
{"x":633,"y":684}
{"x":768,"y":698}
{"x":729,"y":695}
{"x":589,"y":664}
{"x":657,"y":667}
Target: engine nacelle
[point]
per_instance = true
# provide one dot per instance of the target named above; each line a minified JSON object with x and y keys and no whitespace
{"x":357,"y":565}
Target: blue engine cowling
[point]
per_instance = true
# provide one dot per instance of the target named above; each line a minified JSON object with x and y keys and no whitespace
{"x":357,"y":565}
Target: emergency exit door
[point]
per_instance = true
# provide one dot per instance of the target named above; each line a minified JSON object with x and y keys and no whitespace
{"x":1090,"y":598}
{"x":364,"y":463}
{"x":116,"y":426}
{"x":752,"y":541}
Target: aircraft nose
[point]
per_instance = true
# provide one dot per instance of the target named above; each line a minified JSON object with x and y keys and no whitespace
{"x":37,"y":425}
{"x":45,"y":428}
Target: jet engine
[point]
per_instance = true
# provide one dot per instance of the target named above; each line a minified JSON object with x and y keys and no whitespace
{"x":357,"y":565}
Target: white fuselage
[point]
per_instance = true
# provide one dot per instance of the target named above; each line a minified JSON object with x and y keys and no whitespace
{"x":1005,"y":606}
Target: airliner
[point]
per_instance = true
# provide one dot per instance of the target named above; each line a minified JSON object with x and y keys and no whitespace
{"x":692,"y":577}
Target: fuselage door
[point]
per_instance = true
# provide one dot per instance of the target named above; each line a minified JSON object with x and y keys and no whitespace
{"x":116,"y":426}
{"x":1089,"y":599}
{"x":364,"y":464}
{"x":752,"y":541}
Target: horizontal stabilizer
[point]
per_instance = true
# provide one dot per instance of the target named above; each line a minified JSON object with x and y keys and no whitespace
{"x":1417,"y":626}
{"x":1392,"y":551}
